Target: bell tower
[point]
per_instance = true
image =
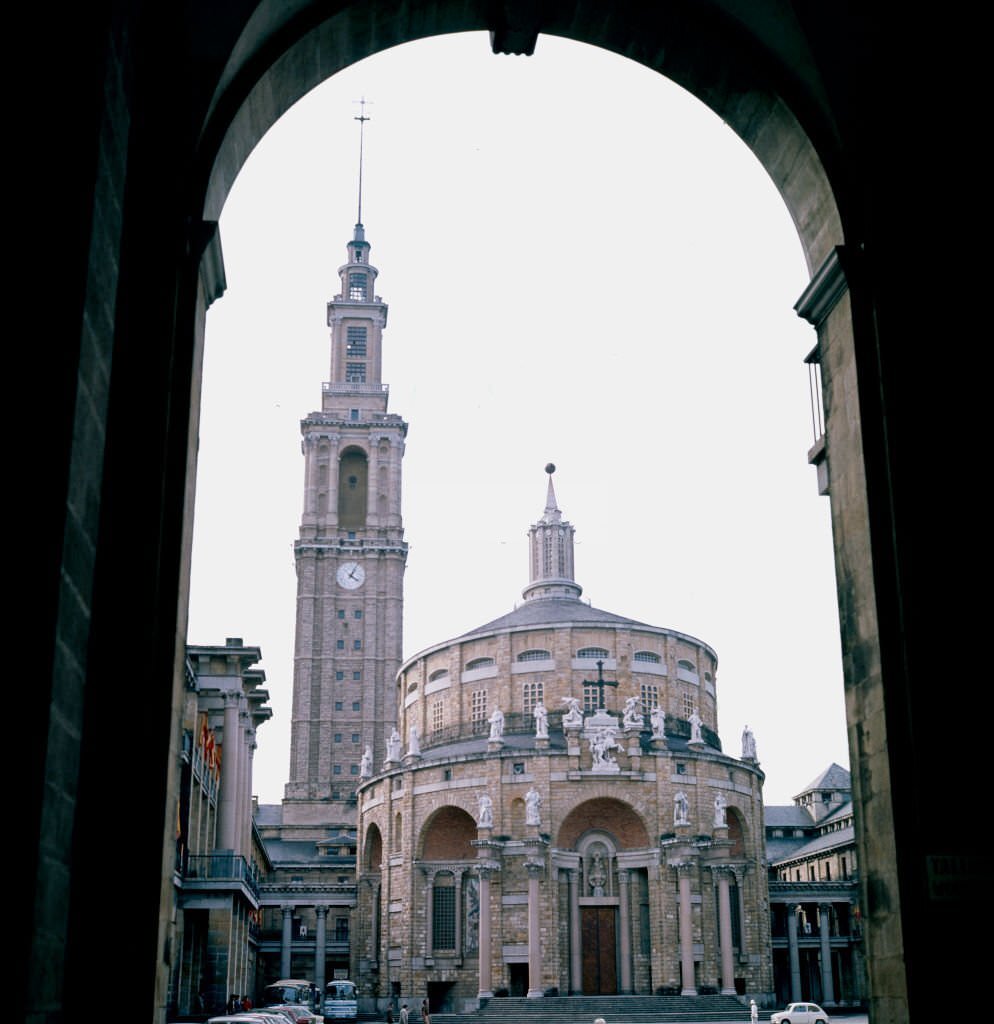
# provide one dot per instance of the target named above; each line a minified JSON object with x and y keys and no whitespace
{"x":350,"y":559}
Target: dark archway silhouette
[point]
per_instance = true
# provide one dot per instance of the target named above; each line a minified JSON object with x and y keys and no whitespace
{"x":145,"y":115}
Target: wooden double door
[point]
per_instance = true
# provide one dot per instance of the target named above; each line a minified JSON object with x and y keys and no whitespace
{"x":598,"y":937}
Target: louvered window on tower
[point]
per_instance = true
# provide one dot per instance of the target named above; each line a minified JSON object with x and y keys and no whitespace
{"x":355,"y":373}
{"x":355,"y":341}
{"x":357,"y":287}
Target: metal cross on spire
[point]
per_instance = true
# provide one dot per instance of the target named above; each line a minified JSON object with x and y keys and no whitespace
{"x":362,"y":119}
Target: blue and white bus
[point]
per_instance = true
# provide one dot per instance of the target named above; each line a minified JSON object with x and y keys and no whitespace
{"x":340,"y":1001}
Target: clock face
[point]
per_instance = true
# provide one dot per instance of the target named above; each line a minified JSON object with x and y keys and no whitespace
{"x":350,"y":575}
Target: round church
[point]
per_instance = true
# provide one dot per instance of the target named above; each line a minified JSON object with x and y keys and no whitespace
{"x":555,"y":814}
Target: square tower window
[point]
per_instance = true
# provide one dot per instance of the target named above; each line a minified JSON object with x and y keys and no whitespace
{"x":357,"y":287}
{"x":355,"y":341}
{"x":355,"y":373}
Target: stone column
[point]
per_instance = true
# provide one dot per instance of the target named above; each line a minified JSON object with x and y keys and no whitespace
{"x":486,"y":983}
{"x":429,"y":913}
{"x":827,"y":986}
{"x":320,"y":948}
{"x":228,"y":817}
{"x":286,"y":939}
{"x":625,"y":926}
{"x":457,"y":883}
{"x":376,"y":923}
{"x":535,"y":869}
{"x":795,"y":957}
{"x":688,"y":985}
{"x":246,"y":747}
{"x":575,"y":949}
{"x":725,"y":931}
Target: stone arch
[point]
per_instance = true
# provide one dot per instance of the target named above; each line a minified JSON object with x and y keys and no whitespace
{"x":142,"y":211}
{"x":372,"y":849}
{"x":604,"y":814}
{"x":447,"y":835}
{"x":353,"y":487}
{"x":736,"y":831}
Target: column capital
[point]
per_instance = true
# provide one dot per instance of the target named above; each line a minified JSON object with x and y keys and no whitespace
{"x":320,"y":911}
{"x":535,"y":868}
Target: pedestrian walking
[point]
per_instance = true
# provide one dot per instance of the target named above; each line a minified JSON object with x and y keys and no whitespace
{"x":425,"y":1012}
{"x":405,"y":1015}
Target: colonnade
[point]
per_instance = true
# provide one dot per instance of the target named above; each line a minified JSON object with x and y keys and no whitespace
{"x":536,"y":870}
{"x":320,"y":943}
{"x":824,"y":952}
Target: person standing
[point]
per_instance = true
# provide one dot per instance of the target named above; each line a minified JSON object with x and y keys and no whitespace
{"x":425,"y":1012}
{"x":405,"y":1015}
{"x":753,"y":1011}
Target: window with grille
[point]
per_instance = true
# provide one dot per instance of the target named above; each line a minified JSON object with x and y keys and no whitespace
{"x":593,"y":653}
{"x":591,"y":699}
{"x":649,"y":657}
{"x":478,"y":706}
{"x":355,"y":341}
{"x":341,"y":929}
{"x":437,"y":715}
{"x":357,"y":287}
{"x":355,"y":373}
{"x":443,"y":917}
{"x":534,"y":656}
{"x":650,"y":697}
{"x":479,"y":663}
{"x":532,"y":695}
{"x":688,"y":705}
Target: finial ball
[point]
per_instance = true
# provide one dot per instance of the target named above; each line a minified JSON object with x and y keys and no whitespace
{"x":550,"y":467}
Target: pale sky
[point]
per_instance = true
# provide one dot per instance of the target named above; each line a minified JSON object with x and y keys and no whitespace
{"x":583,"y":265}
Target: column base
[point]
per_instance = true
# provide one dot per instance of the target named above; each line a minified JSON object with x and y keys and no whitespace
{"x":728,"y":992}
{"x":688,"y":991}
{"x":533,"y":993}
{"x":485,"y":995}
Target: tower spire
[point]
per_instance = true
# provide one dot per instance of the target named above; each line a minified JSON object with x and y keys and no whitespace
{"x":362,"y":119}
{"x":551,"y":552}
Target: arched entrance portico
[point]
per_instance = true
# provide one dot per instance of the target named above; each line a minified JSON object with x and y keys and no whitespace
{"x":604,"y":851}
{"x":160,"y":114}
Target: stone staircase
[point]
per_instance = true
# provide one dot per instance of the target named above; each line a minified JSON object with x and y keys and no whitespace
{"x":614,"y":1010}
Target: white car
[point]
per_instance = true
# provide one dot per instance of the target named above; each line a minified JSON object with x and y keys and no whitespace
{"x":800,"y":1013}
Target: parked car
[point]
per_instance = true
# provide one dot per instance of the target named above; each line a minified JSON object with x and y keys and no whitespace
{"x":800,"y":1013}
{"x":298,"y":1014}
{"x":252,"y":1017}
